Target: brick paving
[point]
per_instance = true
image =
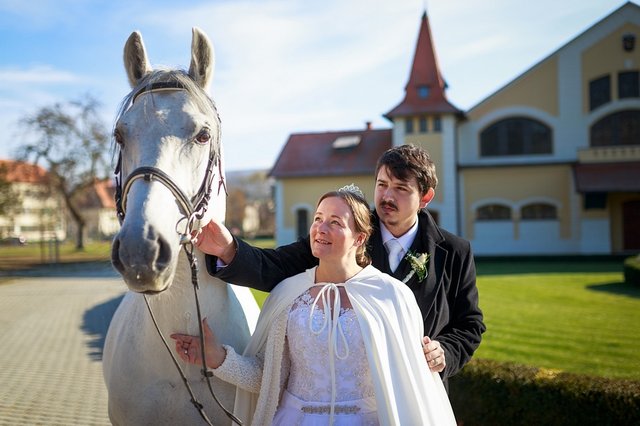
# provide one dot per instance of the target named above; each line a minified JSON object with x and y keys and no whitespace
{"x":52,"y":329}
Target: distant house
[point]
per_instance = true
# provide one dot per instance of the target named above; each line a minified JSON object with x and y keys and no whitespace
{"x":98,"y":209}
{"x":250,"y":207}
{"x":40,"y":214}
{"x":548,"y":164}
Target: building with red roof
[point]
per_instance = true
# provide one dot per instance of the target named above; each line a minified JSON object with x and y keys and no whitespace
{"x":547,"y":164}
{"x":38,"y":213}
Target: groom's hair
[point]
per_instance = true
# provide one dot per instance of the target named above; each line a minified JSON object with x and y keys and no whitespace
{"x":407,"y":161}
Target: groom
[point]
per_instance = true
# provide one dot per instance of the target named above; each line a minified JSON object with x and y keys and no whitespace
{"x":442,"y":277}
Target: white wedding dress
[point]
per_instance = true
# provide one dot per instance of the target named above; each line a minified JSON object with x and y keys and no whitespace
{"x":328,"y":362}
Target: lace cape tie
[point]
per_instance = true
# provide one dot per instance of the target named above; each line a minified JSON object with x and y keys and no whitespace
{"x":334,"y":331}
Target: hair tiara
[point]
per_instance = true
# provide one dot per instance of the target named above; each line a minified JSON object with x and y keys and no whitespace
{"x":352,"y":189}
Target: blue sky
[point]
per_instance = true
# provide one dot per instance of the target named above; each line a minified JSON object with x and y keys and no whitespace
{"x":282,"y":66}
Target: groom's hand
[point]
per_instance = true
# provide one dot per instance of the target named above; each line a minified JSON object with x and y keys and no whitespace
{"x":215,"y":239}
{"x":434,"y":354}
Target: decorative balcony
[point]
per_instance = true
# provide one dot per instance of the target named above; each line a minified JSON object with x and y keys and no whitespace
{"x":609,"y":154}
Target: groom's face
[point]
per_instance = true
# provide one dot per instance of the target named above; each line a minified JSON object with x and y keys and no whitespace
{"x":397,"y":201}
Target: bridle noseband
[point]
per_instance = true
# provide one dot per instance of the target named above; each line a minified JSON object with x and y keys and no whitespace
{"x":192,"y":209}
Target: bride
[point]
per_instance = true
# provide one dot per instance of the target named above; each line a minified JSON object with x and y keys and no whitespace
{"x":339,"y":344}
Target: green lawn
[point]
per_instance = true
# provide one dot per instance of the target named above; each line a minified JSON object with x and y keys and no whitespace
{"x":34,"y":254}
{"x":581,"y":322}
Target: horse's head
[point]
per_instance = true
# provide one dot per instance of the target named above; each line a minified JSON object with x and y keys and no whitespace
{"x":169,"y":166}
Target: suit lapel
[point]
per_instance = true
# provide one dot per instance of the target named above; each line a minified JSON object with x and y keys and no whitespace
{"x":379,"y":257}
{"x":427,"y":240}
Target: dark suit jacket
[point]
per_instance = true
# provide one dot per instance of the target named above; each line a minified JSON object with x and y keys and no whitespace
{"x":447,"y":297}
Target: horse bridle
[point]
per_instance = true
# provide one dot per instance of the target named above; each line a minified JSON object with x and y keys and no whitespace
{"x":192,"y":209}
{"x":195,"y":207}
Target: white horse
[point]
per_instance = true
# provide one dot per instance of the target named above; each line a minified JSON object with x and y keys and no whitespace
{"x":168,"y":127}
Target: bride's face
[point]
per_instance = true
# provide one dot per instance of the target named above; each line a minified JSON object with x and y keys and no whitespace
{"x":332,"y":232}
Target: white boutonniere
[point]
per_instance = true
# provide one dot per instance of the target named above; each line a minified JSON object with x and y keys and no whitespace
{"x":418,"y":262}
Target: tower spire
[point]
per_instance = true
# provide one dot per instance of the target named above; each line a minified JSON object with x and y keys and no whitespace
{"x":425,"y":90}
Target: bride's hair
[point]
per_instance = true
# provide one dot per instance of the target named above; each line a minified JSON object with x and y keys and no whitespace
{"x":353,"y":196}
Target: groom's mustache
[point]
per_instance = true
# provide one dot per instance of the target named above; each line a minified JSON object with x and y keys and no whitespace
{"x":390,"y":204}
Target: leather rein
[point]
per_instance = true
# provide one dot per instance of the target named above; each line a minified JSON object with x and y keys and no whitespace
{"x":192,"y":209}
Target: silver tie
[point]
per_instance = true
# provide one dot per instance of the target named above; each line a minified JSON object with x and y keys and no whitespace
{"x":395,"y":250}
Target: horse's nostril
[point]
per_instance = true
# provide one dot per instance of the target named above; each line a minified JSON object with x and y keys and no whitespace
{"x":164,"y":254}
{"x":115,"y":256}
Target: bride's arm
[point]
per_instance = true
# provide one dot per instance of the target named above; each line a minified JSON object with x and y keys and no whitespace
{"x":242,"y":371}
{"x":222,"y":360}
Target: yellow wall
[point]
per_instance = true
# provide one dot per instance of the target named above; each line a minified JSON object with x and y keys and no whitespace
{"x":537,"y":89}
{"x":308,"y":190}
{"x":516,"y":184}
{"x":607,"y":57}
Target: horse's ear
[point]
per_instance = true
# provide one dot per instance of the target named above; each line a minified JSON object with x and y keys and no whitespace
{"x":135,"y":59}
{"x":202,"y":59}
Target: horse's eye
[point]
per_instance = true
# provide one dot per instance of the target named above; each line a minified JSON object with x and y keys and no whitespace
{"x":118,"y":137}
{"x":203,"y":137}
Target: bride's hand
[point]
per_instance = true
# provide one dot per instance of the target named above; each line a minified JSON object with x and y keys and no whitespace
{"x":188,"y":348}
{"x":434,"y":354}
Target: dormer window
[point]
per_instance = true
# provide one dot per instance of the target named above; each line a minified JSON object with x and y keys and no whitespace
{"x":423,"y":92}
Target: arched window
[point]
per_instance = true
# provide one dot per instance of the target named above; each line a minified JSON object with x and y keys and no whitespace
{"x":628,"y":84}
{"x":515,"y":136}
{"x":493,"y":212}
{"x":599,"y":92}
{"x":619,"y":128}
{"x":538,"y":211}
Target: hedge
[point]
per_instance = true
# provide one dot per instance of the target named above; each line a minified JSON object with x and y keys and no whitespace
{"x":632,"y":270}
{"x":491,"y":393}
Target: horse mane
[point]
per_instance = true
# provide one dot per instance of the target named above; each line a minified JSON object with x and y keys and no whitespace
{"x":181,"y":78}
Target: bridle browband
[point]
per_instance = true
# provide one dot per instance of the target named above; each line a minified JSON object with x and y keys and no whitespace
{"x":192,"y":209}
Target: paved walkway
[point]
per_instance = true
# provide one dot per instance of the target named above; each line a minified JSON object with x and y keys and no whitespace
{"x":52,"y":328}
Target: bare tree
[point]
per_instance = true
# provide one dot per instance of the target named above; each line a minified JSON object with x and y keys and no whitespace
{"x":10,"y":199}
{"x":236,"y":203}
{"x":72,"y":142}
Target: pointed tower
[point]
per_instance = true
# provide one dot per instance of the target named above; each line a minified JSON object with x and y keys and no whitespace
{"x":425,"y":91}
{"x":426,"y":118}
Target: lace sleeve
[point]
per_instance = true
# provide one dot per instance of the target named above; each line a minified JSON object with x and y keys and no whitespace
{"x":242,"y":371}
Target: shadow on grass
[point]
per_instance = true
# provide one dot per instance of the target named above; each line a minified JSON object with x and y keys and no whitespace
{"x":95,"y":323}
{"x":547,"y":264}
{"x":619,"y":288}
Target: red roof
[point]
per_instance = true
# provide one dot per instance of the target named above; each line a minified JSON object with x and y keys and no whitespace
{"x":608,"y":177}
{"x":314,"y":154}
{"x":425,"y":72}
{"x":105,"y":191}
{"x":20,"y":171}
{"x":99,"y":195}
